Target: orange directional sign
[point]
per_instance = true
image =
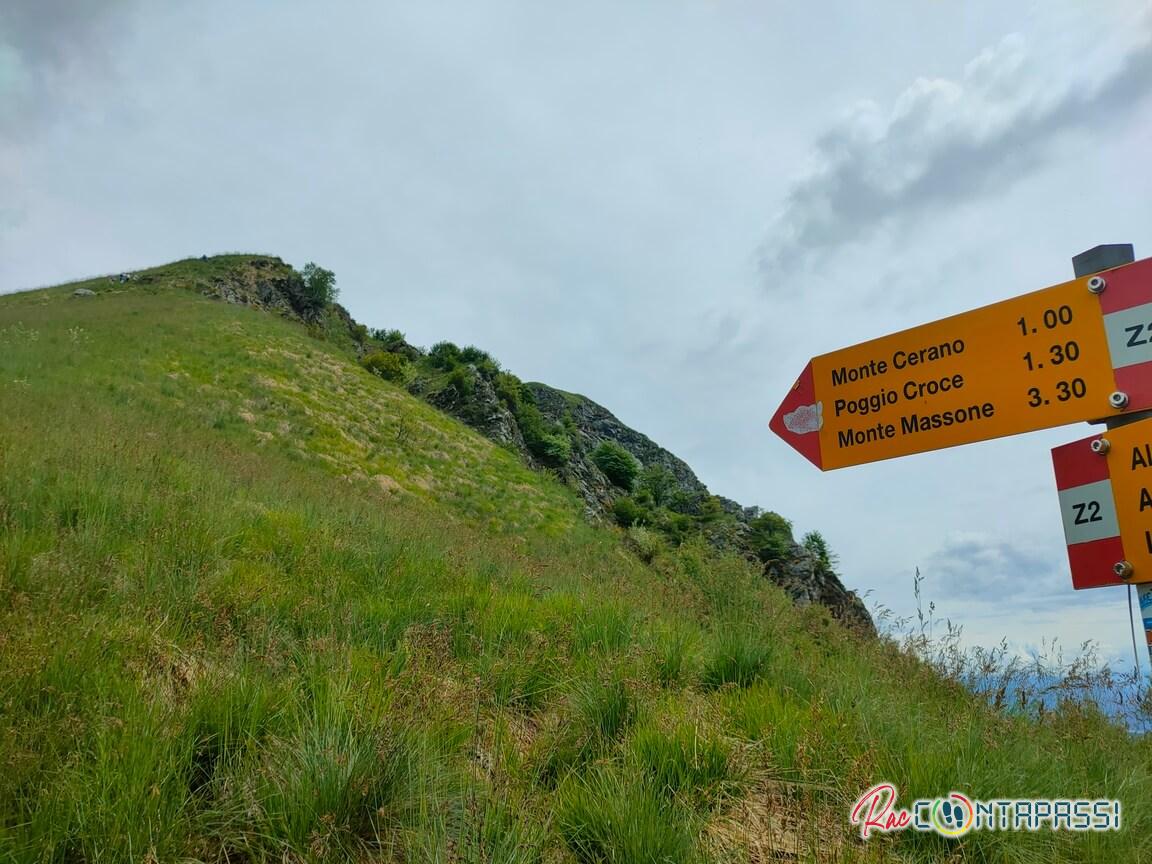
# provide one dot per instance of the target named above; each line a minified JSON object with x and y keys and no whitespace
{"x":1043,"y":359}
{"x":1105,"y":488}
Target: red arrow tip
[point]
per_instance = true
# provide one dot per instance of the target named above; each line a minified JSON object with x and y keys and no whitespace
{"x":799,"y":418}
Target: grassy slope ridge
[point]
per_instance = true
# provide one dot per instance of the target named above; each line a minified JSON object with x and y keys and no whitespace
{"x":257,"y":604}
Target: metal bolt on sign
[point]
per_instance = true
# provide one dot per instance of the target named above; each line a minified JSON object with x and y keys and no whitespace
{"x":1100,"y":446}
{"x":1123,"y":569}
{"x":1118,"y":400}
{"x":1097,"y":284}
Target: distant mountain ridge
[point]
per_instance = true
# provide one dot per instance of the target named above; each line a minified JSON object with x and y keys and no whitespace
{"x":550,"y":429}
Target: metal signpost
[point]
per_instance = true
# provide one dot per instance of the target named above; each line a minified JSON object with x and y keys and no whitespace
{"x":1078,"y":351}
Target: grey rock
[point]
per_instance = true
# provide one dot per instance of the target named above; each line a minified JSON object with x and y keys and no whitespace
{"x":83,"y":292}
{"x":804,"y":577}
{"x":263,"y":283}
{"x":479,"y":407}
{"x":405,"y":349}
{"x":590,"y":425}
{"x":808,"y":580}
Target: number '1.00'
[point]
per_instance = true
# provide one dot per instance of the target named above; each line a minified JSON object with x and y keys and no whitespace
{"x":1052,"y":318}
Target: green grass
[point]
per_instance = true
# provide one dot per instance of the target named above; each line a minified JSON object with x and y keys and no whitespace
{"x":684,"y":764}
{"x":605,"y":708}
{"x":257,"y":604}
{"x":672,"y":655}
{"x":606,"y":817}
{"x":739,"y":656}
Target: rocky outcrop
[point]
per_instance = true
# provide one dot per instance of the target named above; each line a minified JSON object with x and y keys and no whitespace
{"x":267,"y":283}
{"x":589,"y":425}
{"x":807,"y":580}
{"x":473,"y":399}
{"x":263,"y":283}
{"x":801,"y":574}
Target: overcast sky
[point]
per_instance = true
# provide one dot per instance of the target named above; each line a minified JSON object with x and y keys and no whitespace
{"x":666,"y":206}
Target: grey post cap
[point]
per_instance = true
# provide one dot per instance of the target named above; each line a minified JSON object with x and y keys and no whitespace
{"x":1103,"y":257}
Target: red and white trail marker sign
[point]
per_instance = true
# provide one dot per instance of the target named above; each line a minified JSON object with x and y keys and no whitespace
{"x":1105,"y":488}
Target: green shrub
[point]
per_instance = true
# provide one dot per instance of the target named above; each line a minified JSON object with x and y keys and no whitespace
{"x":657,"y":483}
{"x":617,"y":464}
{"x":444,"y":356}
{"x":461,"y":380}
{"x":677,"y":527}
{"x":555,"y":448}
{"x":472,"y":354}
{"x":647,"y":544}
{"x":770,"y":536}
{"x":548,"y":442}
{"x":683,"y":501}
{"x":482,"y":360}
{"x":388,"y":338}
{"x":528,"y":416}
{"x":390,"y":367}
{"x":815,"y":543}
{"x":711,"y":510}
{"x":628,"y":513}
{"x":319,"y":286}
{"x":509,"y":390}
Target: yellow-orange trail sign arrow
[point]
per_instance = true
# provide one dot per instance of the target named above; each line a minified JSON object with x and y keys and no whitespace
{"x":1064,"y":354}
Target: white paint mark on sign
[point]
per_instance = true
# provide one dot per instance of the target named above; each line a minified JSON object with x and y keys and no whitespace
{"x":806,"y":418}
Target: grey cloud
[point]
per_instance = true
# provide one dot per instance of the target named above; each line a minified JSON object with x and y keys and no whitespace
{"x":42,"y":40}
{"x":943,"y":143}
{"x":983,"y":569}
{"x":49,"y":31}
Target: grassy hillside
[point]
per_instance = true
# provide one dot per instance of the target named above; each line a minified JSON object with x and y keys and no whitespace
{"x":257,"y":604}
